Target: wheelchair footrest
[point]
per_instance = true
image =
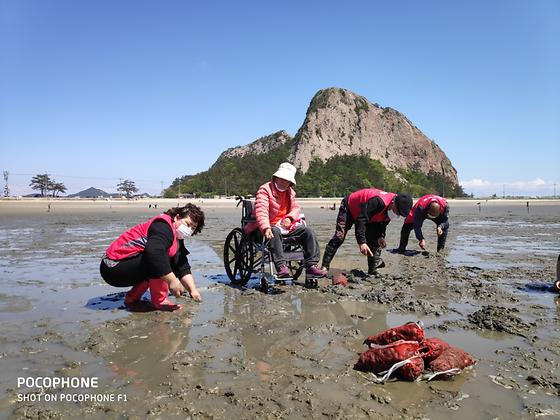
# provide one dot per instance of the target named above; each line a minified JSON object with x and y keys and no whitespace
{"x":283,"y":281}
{"x":269,"y":287}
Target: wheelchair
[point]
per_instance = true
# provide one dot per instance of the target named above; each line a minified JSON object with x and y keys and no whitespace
{"x":248,"y":254}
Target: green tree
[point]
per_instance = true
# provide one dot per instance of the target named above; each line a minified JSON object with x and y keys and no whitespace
{"x":127,"y":187}
{"x":6,"y":188}
{"x":41,"y":183}
{"x":57,"y":187}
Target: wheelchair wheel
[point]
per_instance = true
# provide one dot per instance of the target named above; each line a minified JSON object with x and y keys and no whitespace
{"x":239,"y":257}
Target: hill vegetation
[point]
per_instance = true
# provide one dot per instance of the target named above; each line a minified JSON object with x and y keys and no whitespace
{"x":337,"y":177}
{"x":241,"y":175}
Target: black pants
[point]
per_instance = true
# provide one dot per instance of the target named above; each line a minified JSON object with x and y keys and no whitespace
{"x":344,"y":222}
{"x":409,"y":227}
{"x":128,"y":272}
{"x":304,"y":236}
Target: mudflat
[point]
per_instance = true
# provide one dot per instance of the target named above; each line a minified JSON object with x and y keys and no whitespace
{"x":290,"y":353}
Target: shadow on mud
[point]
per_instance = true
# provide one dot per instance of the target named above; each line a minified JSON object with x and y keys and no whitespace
{"x":254,"y":284}
{"x":539,"y":288}
{"x":409,"y":252}
{"x":107,"y":302}
{"x":115,"y":301}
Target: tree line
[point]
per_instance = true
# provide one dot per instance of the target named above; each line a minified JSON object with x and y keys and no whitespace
{"x":337,"y":177}
{"x":45,"y":184}
{"x":48,"y":186}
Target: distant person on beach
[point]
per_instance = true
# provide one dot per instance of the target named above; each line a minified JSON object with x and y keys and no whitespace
{"x":370,"y":210}
{"x":431,"y":207}
{"x":279,"y":216}
{"x":153,"y":255}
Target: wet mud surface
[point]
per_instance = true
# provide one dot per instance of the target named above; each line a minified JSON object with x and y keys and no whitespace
{"x":287,"y":354}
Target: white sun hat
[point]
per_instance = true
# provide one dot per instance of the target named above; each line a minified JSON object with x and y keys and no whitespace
{"x":286,"y":171}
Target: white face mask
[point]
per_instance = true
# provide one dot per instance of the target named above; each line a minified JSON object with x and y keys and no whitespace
{"x":278,"y":188}
{"x":184,"y":231}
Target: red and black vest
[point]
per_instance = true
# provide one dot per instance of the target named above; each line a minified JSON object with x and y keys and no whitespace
{"x":133,"y":241}
{"x":357,"y":198}
{"x":424,"y":202}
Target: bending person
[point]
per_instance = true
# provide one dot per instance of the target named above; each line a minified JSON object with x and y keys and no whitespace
{"x":371,"y":210}
{"x":153,"y":255}
{"x":278,"y":216}
{"x":431,"y":207}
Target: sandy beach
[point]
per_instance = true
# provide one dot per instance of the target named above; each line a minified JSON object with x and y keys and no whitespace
{"x":288,"y":354}
{"x":10,"y":206}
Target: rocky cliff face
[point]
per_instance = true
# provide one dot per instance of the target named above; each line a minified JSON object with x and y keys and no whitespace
{"x":261,"y":145}
{"x":339,"y":122}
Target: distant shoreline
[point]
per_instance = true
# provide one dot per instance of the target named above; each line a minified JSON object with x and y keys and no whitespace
{"x":228,"y":201}
{"x":11,"y":206}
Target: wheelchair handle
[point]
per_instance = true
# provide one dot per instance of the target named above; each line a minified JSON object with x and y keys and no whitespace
{"x":241,"y":198}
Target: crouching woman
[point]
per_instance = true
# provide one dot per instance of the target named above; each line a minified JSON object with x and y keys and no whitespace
{"x":153,"y":255}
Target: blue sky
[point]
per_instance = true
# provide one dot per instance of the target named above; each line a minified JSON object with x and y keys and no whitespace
{"x":95,"y":91}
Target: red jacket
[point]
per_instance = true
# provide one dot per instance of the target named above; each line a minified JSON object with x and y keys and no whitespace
{"x":423,"y":203}
{"x":267,"y":207}
{"x":357,"y":198}
{"x":133,"y":241}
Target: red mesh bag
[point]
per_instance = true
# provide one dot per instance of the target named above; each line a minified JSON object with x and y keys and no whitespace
{"x":410,"y":331}
{"x":341,"y":279}
{"x":432,"y":348}
{"x":451,"y":358}
{"x":412,"y":370}
{"x":380,"y":358}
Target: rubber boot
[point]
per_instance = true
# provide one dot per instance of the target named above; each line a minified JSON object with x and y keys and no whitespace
{"x":405,"y":234}
{"x":134,"y":294}
{"x":403,"y":242}
{"x":375,"y":262}
{"x":159,"y":290}
{"x":441,"y":241}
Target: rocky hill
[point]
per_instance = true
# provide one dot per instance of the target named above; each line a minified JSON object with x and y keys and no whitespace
{"x":339,"y":122}
{"x":261,"y":145}
{"x":345,"y":142}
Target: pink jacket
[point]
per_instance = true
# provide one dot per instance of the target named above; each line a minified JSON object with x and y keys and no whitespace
{"x":267,"y":207}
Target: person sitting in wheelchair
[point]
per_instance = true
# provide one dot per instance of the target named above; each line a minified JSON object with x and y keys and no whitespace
{"x":278,"y":217}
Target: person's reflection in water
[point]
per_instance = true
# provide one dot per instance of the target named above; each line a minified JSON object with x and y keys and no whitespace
{"x":141,"y":358}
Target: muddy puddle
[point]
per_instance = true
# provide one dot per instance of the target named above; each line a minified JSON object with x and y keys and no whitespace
{"x":289,"y":354}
